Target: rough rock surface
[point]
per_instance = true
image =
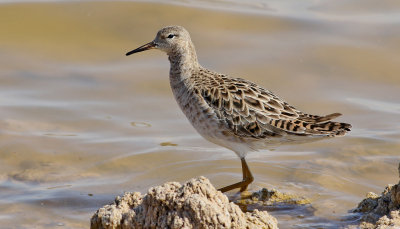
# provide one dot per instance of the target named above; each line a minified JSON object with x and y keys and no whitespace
{"x":381,"y":211}
{"x":195,"y":204}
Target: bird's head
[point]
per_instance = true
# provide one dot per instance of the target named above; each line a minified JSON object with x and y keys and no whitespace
{"x":168,"y":39}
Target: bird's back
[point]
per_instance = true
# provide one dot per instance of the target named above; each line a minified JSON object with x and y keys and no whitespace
{"x":247,"y":112}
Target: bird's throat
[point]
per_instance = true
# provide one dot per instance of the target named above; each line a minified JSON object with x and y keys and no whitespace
{"x":183,"y":63}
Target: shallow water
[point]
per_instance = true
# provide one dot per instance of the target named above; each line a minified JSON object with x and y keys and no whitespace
{"x":81,"y":123}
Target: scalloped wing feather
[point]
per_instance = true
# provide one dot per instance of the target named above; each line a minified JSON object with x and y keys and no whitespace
{"x":251,"y":111}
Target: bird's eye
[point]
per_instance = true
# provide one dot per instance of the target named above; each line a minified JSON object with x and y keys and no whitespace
{"x":171,"y":36}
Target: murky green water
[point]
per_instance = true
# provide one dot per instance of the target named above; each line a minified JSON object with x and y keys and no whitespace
{"x":81,"y":123}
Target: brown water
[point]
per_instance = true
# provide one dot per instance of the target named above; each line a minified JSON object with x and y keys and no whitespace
{"x":81,"y":123}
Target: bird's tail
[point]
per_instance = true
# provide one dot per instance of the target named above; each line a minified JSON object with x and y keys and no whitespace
{"x":315,"y":124}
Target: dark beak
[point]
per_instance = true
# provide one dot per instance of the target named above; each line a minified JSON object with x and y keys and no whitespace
{"x":142,"y":48}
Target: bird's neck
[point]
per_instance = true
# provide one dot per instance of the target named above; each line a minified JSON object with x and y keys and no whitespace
{"x":183,"y":63}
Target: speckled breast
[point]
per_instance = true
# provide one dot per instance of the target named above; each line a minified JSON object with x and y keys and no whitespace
{"x":200,"y":115}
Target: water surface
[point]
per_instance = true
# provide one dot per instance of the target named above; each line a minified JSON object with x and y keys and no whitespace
{"x":81,"y":123}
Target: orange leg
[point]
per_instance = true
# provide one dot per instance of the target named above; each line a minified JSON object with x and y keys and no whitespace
{"x":247,"y":179}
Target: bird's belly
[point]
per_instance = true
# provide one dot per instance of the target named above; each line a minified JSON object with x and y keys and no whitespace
{"x":210,"y":128}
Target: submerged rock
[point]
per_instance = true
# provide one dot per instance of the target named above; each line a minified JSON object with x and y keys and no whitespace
{"x":265,"y":197}
{"x":380,"y":211}
{"x":195,"y":204}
